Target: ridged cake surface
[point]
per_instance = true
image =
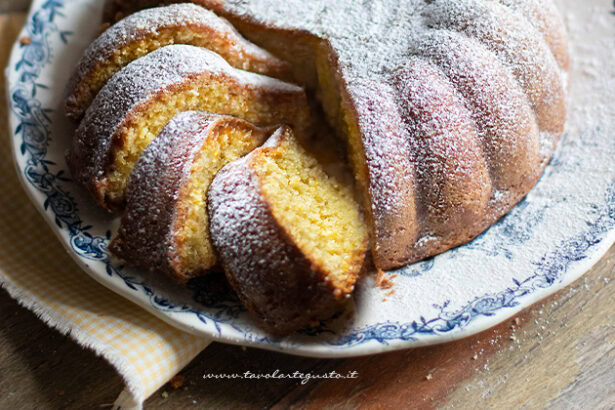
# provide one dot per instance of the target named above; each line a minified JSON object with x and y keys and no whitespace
{"x":148,"y":30}
{"x":165,"y":226}
{"x":133,"y":107}
{"x":292,"y":240}
{"x":451,"y":108}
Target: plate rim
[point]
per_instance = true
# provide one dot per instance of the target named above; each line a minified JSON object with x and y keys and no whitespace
{"x":370,"y":346}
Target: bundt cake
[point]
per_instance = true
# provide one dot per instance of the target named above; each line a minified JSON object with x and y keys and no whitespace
{"x":138,"y":101}
{"x":451,"y":109}
{"x":291,"y":239}
{"x":165,"y":226}
{"x":148,"y":30}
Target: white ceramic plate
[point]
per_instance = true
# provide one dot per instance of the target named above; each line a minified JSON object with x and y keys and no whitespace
{"x":564,"y":226}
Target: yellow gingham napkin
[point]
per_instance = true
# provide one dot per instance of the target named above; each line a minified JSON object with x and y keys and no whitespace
{"x":35,"y":270}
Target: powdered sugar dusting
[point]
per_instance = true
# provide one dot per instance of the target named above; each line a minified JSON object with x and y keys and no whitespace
{"x":517,"y":44}
{"x":145,"y":235}
{"x":500,"y":61}
{"x":391,"y":175}
{"x":268,"y":272}
{"x":240,"y":222}
{"x":142,"y":80}
{"x":568,"y":203}
{"x":544,"y":16}
{"x":146,"y":25}
{"x":500,"y":68}
{"x":454,"y":185}
{"x":506,"y":126}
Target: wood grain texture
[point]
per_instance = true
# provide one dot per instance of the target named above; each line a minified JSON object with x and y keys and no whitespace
{"x":563,"y":356}
{"x":557,"y":354}
{"x":14,"y":5}
{"x":560,"y":355}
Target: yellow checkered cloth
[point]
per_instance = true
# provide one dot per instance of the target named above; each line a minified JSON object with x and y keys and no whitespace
{"x":35,"y":270}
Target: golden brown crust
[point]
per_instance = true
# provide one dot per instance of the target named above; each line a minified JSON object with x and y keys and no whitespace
{"x":427,"y":202}
{"x":544,"y":16}
{"x":147,"y":236}
{"x":518,"y":45}
{"x":126,"y":99}
{"x":384,"y":171}
{"x":284,"y":288}
{"x":148,"y":30}
{"x":295,"y":46}
{"x":453,"y":179}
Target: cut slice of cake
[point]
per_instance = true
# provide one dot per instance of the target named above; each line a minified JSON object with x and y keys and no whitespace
{"x":137,"y":103}
{"x":451,"y":109}
{"x":165,"y":226}
{"x":292,"y":240}
{"x":151,"y":29}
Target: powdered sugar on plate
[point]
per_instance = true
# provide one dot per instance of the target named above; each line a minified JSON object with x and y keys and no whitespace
{"x":562,"y":228}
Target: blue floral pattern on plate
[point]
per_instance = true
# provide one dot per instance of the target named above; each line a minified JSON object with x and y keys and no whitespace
{"x":217,"y":313}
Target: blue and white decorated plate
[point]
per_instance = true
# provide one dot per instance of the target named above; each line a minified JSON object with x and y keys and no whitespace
{"x":555,"y":235}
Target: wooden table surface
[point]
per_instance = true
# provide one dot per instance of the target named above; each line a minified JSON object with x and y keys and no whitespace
{"x":558,"y":354}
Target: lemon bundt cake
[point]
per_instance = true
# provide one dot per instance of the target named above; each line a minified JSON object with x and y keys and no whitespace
{"x":292,"y":240}
{"x":451,"y":109}
{"x":148,"y":30}
{"x":165,"y":226}
{"x":134,"y":106}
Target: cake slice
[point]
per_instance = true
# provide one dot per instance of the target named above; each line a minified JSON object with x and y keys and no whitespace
{"x":165,"y":227}
{"x":292,"y":241}
{"x":151,"y":29}
{"x":137,"y":103}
